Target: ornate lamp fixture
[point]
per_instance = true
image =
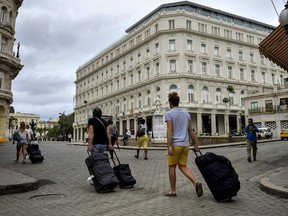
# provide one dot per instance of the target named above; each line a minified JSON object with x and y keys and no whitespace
{"x":283,"y":18}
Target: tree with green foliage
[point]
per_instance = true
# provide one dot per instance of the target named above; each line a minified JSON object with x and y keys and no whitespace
{"x":66,"y":123}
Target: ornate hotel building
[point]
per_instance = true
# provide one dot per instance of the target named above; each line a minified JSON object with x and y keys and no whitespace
{"x":10,"y":64}
{"x":185,"y":47}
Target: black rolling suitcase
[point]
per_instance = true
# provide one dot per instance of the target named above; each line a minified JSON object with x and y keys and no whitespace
{"x":34,"y":153}
{"x":219,"y":175}
{"x":123,"y":173}
{"x":102,"y":173}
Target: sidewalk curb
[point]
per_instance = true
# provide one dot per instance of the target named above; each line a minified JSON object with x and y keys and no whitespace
{"x":267,"y":186}
{"x":165,"y":148}
{"x":25,"y":184}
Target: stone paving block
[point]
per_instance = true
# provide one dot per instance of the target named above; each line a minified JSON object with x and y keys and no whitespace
{"x":65,"y":166}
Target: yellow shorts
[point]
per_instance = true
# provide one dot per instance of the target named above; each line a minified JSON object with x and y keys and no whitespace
{"x":179,"y":157}
{"x":143,"y":140}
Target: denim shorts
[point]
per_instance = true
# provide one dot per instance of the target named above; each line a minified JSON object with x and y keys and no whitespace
{"x":99,"y":148}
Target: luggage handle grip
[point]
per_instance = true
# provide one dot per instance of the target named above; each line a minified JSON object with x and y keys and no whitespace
{"x":196,"y":152}
{"x":89,"y":152}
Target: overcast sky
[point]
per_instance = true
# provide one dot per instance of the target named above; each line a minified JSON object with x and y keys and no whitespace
{"x":57,"y":36}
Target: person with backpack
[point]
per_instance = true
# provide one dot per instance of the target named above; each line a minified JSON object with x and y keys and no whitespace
{"x":22,"y":142}
{"x":99,"y":134}
{"x":114,"y":135}
{"x":142,"y":139}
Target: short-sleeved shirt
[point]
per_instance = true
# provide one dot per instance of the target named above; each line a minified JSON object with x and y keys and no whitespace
{"x":100,"y":134}
{"x":251,"y":135}
{"x":30,"y":133}
{"x":180,"y":122}
{"x":113,"y":130}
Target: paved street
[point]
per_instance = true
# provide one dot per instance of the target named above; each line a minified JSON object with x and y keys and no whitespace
{"x":65,"y":191}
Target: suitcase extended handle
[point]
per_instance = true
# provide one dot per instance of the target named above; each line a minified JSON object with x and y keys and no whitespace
{"x":196,"y":152}
{"x":114,"y":152}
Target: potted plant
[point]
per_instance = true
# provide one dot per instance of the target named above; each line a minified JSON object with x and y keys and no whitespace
{"x":225,"y":100}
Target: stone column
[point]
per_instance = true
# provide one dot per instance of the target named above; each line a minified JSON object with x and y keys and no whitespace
{"x":238,"y":122}
{"x":226,"y":123}
{"x":199,"y":123}
{"x":213,"y":124}
{"x":121,"y":126}
{"x":74,"y":134}
{"x":81,"y":134}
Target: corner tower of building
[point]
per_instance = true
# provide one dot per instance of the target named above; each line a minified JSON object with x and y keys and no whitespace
{"x":10,"y":63}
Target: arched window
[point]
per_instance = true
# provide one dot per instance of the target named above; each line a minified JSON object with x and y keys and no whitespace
{"x":231,"y":98}
{"x":124,"y":106}
{"x":139,"y":100}
{"x":3,"y":14}
{"x":158,"y":93}
{"x":131,"y":102}
{"x":148,"y":98}
{"x":190,"y":93}
{"x":205,"y":94}
{"x":218,"y":95}
{"x":173,"y":88}
{"x":242,"y":95}
{"x":4,"y":42}
{"x":11,"y":18}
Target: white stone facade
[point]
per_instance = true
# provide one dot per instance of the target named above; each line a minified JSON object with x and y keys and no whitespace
{"x":9,"y":61}
{"x":184,"y":47}
{"x":18,"y":117}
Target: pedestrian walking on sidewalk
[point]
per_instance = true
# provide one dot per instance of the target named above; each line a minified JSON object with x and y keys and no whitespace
{"x":30,"y":133}
{"x":126,"y":136}
{"x":23,"y":143}
{"x":142,"y":139}
{"x":114,"y":135}
{"x":251,"y":139}
{"x":99,"y":133}
{"x":69,"y":137}
{"x":179,"y":129}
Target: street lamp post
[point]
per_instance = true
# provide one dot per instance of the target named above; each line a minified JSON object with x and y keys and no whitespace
{"x":283,"y":18}
{"x":86,"y":121}
{"x":87,"y":109}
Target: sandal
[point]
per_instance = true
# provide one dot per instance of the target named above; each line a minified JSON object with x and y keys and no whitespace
{"x":171,"y":194}
{"x":145,"y":158}
{"x":136,"y":156}
{"x":199,"y":190}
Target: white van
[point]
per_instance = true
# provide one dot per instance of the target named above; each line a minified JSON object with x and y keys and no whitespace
{"x":264,"y":133}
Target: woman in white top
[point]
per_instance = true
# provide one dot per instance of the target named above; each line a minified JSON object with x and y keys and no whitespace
{"x":23,"y":143}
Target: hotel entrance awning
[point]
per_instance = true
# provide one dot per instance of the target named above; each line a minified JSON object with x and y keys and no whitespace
{"x":275,"y":47}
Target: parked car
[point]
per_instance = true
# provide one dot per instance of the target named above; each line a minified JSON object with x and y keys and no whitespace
{"x":284,"y":134}
{"x":61,"y":138}
{"x":264,"y":133}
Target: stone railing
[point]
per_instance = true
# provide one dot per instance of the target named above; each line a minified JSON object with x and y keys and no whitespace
{"x":9,"y":57}
{"x":268,"y":110}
